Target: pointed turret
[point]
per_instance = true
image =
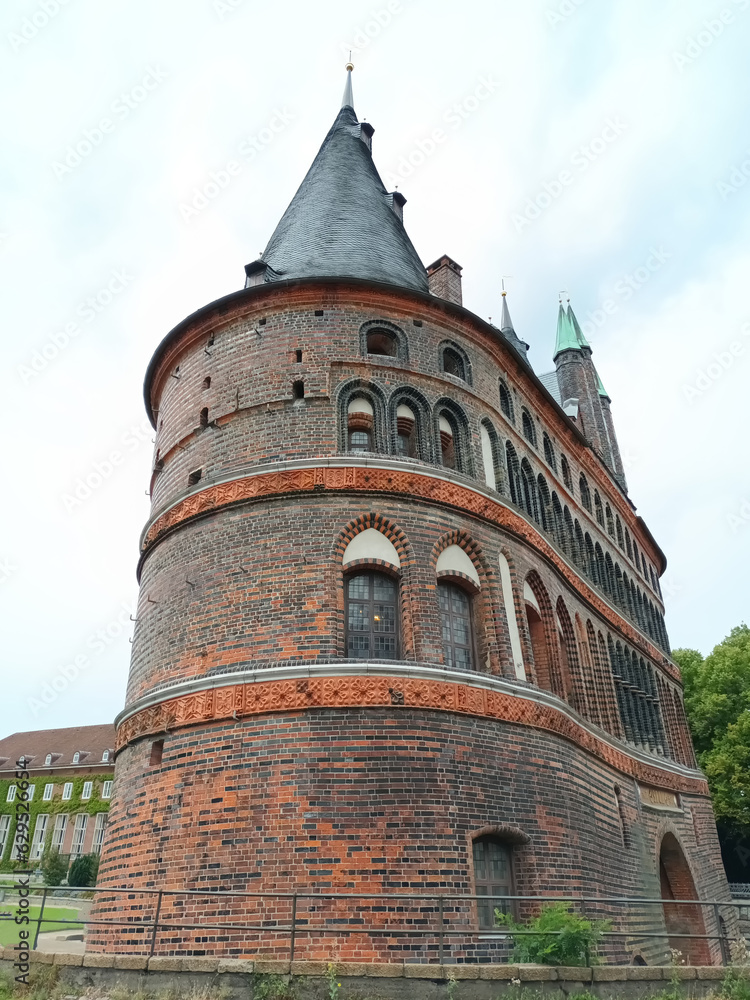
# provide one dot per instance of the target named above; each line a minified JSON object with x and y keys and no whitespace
{"x":342,"y":222}
{"x":581,"y":390}
{"x":508,"y":331}
{"x":567,"y":339}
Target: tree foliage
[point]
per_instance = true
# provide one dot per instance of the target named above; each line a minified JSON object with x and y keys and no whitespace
{"x":717,"y":701}
{"x":54,"y":867}
{"x":84,"y":869}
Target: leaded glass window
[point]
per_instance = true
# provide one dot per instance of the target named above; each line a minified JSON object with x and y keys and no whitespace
{"x":372,"y":616}
{"x":359,"y":441}
{"x":455,"y":622}
{"x":492,"y":877}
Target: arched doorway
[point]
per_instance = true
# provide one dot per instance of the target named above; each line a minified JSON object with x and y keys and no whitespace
{"x":677,"y":883}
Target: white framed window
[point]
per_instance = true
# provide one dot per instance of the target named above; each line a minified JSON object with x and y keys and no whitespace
{"x":48,"y":791}
{"x":76,"y":757}
{"x":30,"y":793}
{"x":100,"y":825}
{"x":58,"y":834}
{"x":67,"y":791}
{"x":87,"y":786}
{"x":40,"y":831}
{"x":105,"y":757}
{"x":4,"y":827}
{"x":11,"y":796}
{"x":107,"y":790}
{"x":79,"y":834}
{"x":48,"y":760}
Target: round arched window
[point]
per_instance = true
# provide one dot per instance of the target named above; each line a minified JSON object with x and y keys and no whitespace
{"x":380,"y":341}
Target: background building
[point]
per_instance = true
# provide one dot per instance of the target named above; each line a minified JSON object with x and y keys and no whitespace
{"x":71,"y":774}
{"x":400,"y":627}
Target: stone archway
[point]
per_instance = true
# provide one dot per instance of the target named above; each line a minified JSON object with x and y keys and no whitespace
{"x":677,"y":883}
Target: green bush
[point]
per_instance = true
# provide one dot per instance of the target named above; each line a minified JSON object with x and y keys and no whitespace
{"x":54,"y":867}
{"x":564,"y":937}
{"x":83,"y":871}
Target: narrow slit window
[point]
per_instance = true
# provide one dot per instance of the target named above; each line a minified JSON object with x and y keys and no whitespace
{"x":204,"y":417}
{"x":298,"y":390}
{"x":157,"y":752}
{"x":207,"y":382}
{"x":298,"y":356}
{"x":195,"y":477}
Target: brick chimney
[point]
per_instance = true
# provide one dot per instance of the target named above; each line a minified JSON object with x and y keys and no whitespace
{"x":444,"y":277}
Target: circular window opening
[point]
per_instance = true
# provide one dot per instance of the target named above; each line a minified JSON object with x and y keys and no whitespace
{"x":382,"y":342}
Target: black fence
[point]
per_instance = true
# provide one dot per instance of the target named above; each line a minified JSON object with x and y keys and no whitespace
{"x":408,"y":927}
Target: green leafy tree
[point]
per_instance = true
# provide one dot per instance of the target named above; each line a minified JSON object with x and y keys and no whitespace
{"x":564,"y":938}
{"x":83,"y":871}
{"x":717,"y":701}
{"x":54,"y":867}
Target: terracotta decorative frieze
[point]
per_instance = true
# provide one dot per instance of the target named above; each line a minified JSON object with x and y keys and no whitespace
{"x":263,"y":697}
{"x":396,"y":481}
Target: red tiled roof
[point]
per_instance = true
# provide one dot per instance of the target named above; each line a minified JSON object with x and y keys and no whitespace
{"x":89,"y":741}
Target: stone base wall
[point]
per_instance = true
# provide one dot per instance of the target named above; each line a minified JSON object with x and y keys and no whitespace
{"x":241,"y":979}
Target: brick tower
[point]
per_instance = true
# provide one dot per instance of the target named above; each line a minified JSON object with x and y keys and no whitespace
{"x":400,"y":629}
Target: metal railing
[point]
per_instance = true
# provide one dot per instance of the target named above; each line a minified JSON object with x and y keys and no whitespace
{"x":436,"y":919}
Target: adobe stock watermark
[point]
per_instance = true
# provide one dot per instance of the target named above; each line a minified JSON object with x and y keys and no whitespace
{"x":103,"y":470}
{"x":222,"y":8}
{"x":369,"y":30}
{"x":454,"y":116}
{"x":86,"y":313}
{"x":737,"y":179}
{"x":69,"y":672}
{"x":36,"y":21}
{"x":740,"y":518}
{"x":219,"y":180}
{"x":7,"y":570}
{"x":581,"y":159}
{"x":721,"y":363}
{"x":119,"y":111}
{"x":704,"y":38}
{"x":563,"y":11}
{"x":624,"y":289}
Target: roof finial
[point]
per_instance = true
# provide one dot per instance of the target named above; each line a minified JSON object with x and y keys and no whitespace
{"x":348,"y":100}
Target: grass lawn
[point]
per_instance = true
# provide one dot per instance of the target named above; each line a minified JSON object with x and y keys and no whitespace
{"x":9,"y":929}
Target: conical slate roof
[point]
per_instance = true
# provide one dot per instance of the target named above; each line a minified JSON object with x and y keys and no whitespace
{"x":567,"y":340}
{"x":340,"y":222}
{"x":508,"y":331}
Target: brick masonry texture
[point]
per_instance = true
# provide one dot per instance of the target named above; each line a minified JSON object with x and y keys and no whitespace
{"x":378,"y":784}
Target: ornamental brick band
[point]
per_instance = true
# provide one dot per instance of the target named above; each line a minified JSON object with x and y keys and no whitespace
{"x":242,"y":700}
{"x":395,"y":481}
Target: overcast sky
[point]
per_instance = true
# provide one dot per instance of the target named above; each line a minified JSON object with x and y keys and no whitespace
{"x":595,"y":146}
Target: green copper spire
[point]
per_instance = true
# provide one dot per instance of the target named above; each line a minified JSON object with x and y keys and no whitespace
{"x":567,"y":339}
{"x":600,"y":387}
{"x":578,"y":331}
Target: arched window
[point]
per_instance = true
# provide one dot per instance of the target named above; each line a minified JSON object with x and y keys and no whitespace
{"x":628,"y":544}
{"x":406,"y":432}
{"x":529,"y":431}
{"x":76,"y":757}
{"x":453,"y":437}
{"x":566,"y":473}
{"x":456,"y":626}
{"x":514,"y":475}
{"x":453,"y":361}
{"x":360,"y":425}
{"x":618,"y":529}
{"x":371,"y":616}
{"x":382,"y":341}
{"x":490,"y":455}
{"x":529,"y":497}
{"x":636,"y":556}
{"x":549,"y":453}
{"x":598,"y":508}
{"x":493,"y":876}
{"x":48,"y":760}
{"x":557,"y":521}
{"x":506,"y":401}
{"x":610,"y":521}
{"x":583,"y":486}
{"x":545,"y":505}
